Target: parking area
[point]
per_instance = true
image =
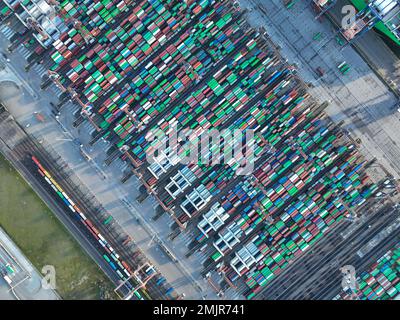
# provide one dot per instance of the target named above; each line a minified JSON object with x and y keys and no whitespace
{"x":358,"y":98}
{"x":19,"y":279}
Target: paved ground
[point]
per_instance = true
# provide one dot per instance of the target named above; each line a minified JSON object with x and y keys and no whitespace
{"x":360,"y":98}
{"x":385,"y":62}
{"x":104,"y":182}
{"x":317,"y":275}
{"x":14,"y":135}
{"x":27,"y":283}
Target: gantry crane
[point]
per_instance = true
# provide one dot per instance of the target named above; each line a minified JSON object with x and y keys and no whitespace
{"x":125,"y":150}
{"x":32,"y":23}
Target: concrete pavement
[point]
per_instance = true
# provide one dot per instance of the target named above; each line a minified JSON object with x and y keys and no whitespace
{"x":359,"y":98}
{"x":374,"y":48}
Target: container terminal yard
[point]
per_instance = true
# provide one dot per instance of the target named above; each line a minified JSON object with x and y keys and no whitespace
{"x":100,"y":77}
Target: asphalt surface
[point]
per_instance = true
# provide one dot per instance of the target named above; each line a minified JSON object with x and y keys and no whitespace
{"x":361,"y":99}
{"x":5,"y":293}
{"x":26,"y":281}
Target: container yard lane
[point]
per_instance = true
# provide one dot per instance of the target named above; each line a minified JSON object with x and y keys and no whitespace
{"x":46,"y":178}
{"x":317,"y":275}
{"x":64,"y":140}
{"x":360,"y":98}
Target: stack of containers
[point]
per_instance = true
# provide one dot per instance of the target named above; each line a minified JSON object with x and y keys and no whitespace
{"x":383,"y":279}
{"x":159,"y":89}
{"x":4,"y":11}
{"x":285,"y":156}
{"x":110,"y":61}
{"x":309,"y":205}
{"x":219,"y":96}
{"x":312,"y":219}
{"x":243,"y":123}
